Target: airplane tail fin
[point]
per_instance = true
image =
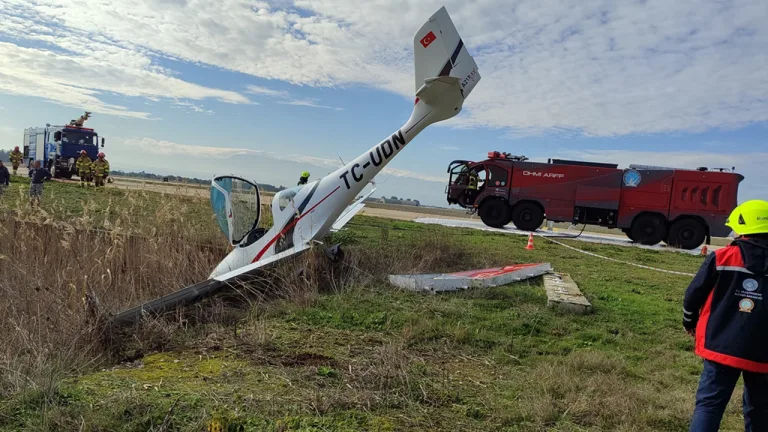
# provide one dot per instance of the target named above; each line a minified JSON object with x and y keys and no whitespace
{"x":441,"y":59}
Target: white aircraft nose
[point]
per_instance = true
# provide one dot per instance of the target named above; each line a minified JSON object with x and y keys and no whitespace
{"x":231,"y":262}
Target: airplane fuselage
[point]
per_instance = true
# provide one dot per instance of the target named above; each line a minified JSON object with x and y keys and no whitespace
{"x":316,"y":206}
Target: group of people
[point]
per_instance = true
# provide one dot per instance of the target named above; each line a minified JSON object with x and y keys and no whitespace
{"x":88,"y":170}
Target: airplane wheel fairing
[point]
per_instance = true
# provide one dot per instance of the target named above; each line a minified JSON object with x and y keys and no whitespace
{"x":648,"y":229}
{"x":687,"y":234}
{"x":495,"y":213}
{"x":527,"y":216}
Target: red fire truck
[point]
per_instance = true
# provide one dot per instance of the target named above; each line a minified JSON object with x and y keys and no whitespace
{"x":681,"y":207}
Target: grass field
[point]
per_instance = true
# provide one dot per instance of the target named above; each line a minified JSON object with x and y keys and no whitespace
{"x":336,"y":348}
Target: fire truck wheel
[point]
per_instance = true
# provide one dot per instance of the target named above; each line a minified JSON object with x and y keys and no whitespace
{"x":648,"y":229}
{"x":628,"y":233}
{"x":495,"y":213}
{"x":527,"y":216}
{"x":687,"y":234}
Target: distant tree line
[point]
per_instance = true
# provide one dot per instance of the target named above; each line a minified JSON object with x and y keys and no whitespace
{"x":5,"y":155}
{"x":188,"y":180}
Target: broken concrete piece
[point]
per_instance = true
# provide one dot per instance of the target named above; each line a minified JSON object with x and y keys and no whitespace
{"x":562,"y":293}
{"x":483,"y":278}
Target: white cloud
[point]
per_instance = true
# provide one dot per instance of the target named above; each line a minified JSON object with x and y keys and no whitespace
{"x":192,"y":107}
{"x":309,"y":102}
{"x":286,"y":97}
{"x":168,"y":148}
{"x":263,"y":91}
{"x":81,"y":81}
{"x":570,"y":66}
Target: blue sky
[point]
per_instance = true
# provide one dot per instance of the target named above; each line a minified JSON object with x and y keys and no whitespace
{"x":269,"y":89}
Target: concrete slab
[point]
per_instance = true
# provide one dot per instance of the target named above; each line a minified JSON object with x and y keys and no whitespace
{"x":563,"y":294}
{"x":482,"y":278}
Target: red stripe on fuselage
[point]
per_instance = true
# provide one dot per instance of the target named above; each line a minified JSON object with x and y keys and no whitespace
{"x":291,"y":225}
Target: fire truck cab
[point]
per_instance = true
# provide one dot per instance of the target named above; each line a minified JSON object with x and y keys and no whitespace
{"x":681,"y":207}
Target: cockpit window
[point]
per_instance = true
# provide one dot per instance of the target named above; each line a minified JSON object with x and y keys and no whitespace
{"x":284,"y":197}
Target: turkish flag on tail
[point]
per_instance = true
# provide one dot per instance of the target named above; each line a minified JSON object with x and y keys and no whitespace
{"x":428,"y":39}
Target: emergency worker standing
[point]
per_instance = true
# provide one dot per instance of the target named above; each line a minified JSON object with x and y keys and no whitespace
{"x":303,"y":179}
{"x":100,"y":170}
{"x":725,"y":309}
{"x":84,"y":165}
{"x":38,"y":175}
{"x":16,"y":158}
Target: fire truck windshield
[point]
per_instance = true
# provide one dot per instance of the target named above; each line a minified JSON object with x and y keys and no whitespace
{"x":85,"y":138}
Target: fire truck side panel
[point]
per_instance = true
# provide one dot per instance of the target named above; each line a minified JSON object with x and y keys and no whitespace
{"x":707,"y":195}
{"x":651,"y":195}
{"x":561,"y":188}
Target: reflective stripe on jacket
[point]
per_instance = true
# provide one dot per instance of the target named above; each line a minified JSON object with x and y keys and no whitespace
{"x":84,"y":164}
{"x":101,"y":168}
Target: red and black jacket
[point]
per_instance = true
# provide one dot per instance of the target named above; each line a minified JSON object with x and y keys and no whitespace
{"x":727,"y":304}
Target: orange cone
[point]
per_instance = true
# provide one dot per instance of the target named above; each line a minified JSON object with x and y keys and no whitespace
{"x":530,"y":242}
{"x":704,"y":250}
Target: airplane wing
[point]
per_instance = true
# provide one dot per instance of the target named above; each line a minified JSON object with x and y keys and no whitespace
{"x":351,"y":211}
{"x":198,"y":291}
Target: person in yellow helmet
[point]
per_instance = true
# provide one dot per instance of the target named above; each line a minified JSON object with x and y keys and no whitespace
{"x":100,"y":169}
{"x":84,"y":165}
{"x":304,"y":178}
{"x":725,"y":310}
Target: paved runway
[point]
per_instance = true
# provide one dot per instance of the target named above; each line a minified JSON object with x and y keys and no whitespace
{"x":619,"y":240}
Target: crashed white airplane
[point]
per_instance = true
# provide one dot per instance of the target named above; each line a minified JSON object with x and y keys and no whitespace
{"x":445,"y":76}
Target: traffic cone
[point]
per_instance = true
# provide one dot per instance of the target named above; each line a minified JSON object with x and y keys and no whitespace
{"x":530,"y":242}
{"x":704,"y":250}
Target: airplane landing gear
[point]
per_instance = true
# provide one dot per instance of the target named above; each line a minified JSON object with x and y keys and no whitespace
{"x":335,"y":253}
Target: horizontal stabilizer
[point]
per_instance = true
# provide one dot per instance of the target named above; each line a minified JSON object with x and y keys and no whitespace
{"x":482,"y":278}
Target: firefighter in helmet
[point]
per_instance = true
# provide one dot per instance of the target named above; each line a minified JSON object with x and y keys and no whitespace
{"x":304,"y":178}
{"x":84,"y":165}
{"x":100,"y":170}
{"x":725,"y":310}
{"x":473,"y":181}
{"x":16,"y":158}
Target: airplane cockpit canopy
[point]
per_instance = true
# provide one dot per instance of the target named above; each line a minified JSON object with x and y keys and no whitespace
{"x":283,"y":198}
{"x":237,"y":206}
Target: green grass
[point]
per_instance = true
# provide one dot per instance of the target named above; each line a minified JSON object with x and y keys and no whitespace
{"x":370,"y":357}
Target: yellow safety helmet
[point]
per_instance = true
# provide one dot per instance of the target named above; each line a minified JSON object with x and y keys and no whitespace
{"x":749,"y":218}
{"x":305,"y":174}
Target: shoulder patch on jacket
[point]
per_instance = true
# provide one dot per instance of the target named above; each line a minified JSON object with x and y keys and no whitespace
{"x":729,"y":259}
